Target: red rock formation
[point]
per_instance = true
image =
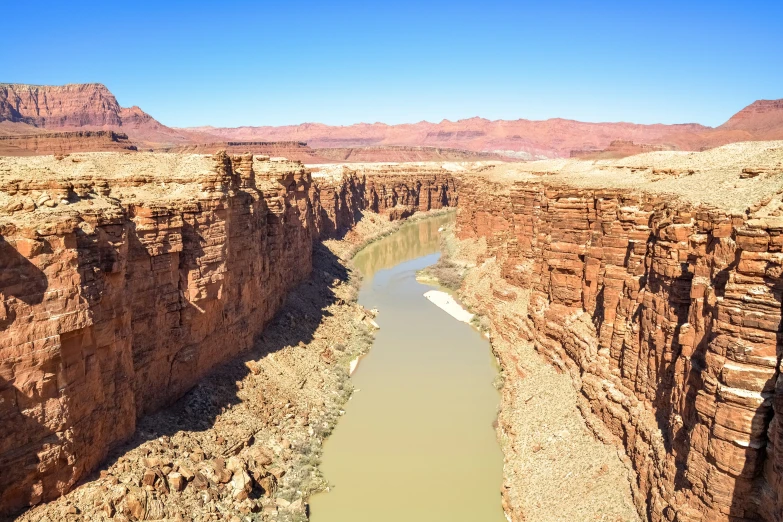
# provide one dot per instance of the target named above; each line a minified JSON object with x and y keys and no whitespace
{"x":550,"y":138}
{"x":64,"y":143}
{"x":90,"y":106}
{"x":618,"y":149}
{"x":668,"y":319}
{"x":300,"y":151}
{"x":763,"y":119}
{"x":93,"y":107}
{"x":111,"y":310}
{"x":75,"y":105}
{"x":392,"y":153}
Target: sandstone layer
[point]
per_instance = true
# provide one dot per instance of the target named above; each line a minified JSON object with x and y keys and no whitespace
{"x":300,"y":151}
{"x":86,"y":106}
{"x":128,"y":277}
{"x":93,"y":107}
{"x":47,"y":143}
{"x":663,"y":306}
{"x":617,"y":149}
{"x":526,"y":139}
{"x":521,"y":139}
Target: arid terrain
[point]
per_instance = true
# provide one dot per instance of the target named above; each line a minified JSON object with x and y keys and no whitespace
{"x":37,"y":109}
{"x":179,"y":317}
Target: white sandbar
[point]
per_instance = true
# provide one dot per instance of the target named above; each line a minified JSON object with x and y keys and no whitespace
{"x":447,"y":303}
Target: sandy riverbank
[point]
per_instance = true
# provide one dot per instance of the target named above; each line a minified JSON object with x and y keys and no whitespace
{"x":554,"y":467}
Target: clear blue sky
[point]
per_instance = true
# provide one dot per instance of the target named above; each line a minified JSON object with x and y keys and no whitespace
{"x":285,"y":62}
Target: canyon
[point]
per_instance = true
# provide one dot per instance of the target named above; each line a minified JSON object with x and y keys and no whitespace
{"x":35,"y":109}
{"x":129,"y":277}
{"x":126,"y":278}
{"x":178,"y":307}
{"x":663,"y":307}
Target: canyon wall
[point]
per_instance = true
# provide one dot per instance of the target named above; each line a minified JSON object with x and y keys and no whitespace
{"x":124,"y":279}
{"x":667,"y":317}
{"x":64,"y":143}
{"x":84,"y":106}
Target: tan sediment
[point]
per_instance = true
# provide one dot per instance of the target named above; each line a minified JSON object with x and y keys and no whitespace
{"x":446,"y":302}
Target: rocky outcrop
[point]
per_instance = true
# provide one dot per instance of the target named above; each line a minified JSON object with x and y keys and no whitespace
{"x":126,"y":278}
{"x":763,"y":119}
{"x":667,"y":317}
{"x":74,"y":105}
{"x":618,"y":149}
{"x":64,"y":143}
{"x":89,"y":106}
{"x":94,"y":107}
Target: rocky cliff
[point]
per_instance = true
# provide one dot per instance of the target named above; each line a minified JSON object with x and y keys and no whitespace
{"x":89,"y":106}
{"x":617,"y":149}
{"x":74,"y":105}
{"x":762,"y":119}
{"x":126,"y":278}
{"x":666,"y":313}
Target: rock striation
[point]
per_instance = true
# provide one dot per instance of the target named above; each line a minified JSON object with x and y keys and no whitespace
{"x":527,"y":139}
{"x":300,"y":151}
{"x":667,"y":316}
{"x":86,"y":106}
{"x":762,"y":118}
{"x":125,"y":278}
{"x":46,"y":143}
{"x":93,"y":107}
{"x":617,"y":149}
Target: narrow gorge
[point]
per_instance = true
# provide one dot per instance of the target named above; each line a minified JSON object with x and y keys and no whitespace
{"x":127,"y":278}
{"x":136,"y":284}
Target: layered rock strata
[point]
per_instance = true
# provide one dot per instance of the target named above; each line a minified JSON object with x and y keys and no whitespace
{"x":300,"y":151}
{"x":667,"y":317}
{"x":64,"y":143}
{"x":126,"y":278}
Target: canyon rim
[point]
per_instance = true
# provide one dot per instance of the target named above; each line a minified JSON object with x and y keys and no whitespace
{"x":269,"y":262}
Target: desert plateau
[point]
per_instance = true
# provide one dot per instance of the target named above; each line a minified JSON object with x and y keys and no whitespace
{"x":265,"y":310}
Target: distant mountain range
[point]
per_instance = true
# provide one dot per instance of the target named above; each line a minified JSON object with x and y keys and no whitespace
{"x":27,"y":110}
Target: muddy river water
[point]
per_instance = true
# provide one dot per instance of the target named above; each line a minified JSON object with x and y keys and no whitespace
{"x":416,"y":443}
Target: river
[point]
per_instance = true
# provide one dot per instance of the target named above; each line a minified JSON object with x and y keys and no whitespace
{"x":416,"y":443}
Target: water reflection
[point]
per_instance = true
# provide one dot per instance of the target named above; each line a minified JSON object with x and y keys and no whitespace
{"x":412,"y":240}
{"x":417,"y":442}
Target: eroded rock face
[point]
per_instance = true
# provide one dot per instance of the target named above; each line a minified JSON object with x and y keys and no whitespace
{"x":126,"y":278}
{"x":51,"y":106}
{"x":667,"y":317}
{"x":64,"y":143}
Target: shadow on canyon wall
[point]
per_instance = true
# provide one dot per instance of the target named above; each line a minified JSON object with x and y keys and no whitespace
{"x":295,"y":323}
{"x":22,"y":280}
{"x":19,"y":277}
{"x":745,"y":494}
{"x":17,"y":460}
{"x":26,"y":437}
